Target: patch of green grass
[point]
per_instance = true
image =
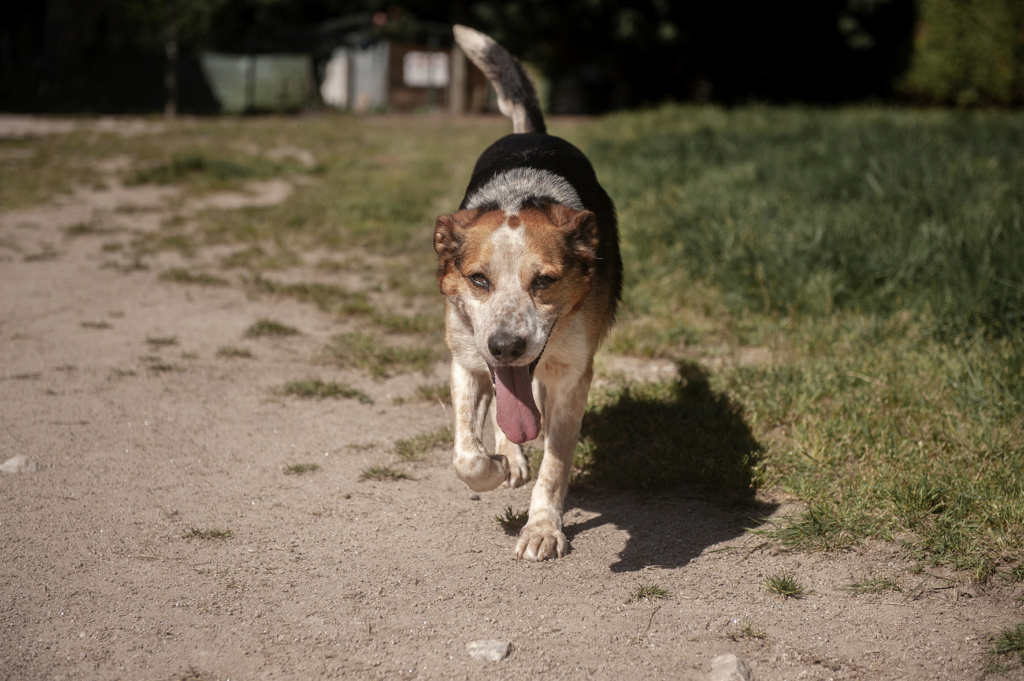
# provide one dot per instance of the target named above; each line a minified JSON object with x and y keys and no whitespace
{"x":209,"y":533}
{"x":874,"y":585}
{"x":418,"y":324}
{"x":512,"y":521}
{"x":86,"y":229}
{"x":318,"y":389}
{"x":327,"y":297}
{"x":368,"y":352}
{"x":199,"y":166}
{"x":1006,"y":646}
{"x":433,"y":393}
{"x":380,"y":473}
{"x":170,"y":238}
{"x":257,"y":259}
{"x":301,"y":468}
{"x":785,"y":585}
{"x":648,"y":592}
{"x":269,"y":328}
{"x":233,"y":352}
{"x":419,"y":446}
{"x":770,"y":205}
{"x":180,"y":275}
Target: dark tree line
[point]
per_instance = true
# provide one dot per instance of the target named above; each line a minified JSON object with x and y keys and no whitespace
{"x":598,"y":54}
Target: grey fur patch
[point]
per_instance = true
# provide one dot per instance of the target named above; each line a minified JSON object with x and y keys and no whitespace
{"x":508,"y":191}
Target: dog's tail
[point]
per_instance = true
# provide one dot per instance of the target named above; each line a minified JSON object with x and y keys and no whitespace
{"x":517,"y":98}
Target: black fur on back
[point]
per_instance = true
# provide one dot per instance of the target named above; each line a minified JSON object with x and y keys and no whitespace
{"x":553,"y":154}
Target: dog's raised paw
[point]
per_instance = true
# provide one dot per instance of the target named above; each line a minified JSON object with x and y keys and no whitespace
{"x":483,"y":473}
{"x":540,"y":542}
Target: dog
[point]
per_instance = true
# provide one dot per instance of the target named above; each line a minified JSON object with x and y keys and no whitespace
{"x":531,"y":272}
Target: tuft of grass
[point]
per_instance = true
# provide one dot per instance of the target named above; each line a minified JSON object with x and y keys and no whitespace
{"x":301,"y":468}
{"x":231,"y":351}
{"x":822,"y":527}
{"x":418,"y":324}
{"x":873,"y":585}
{"x":191,"y":674}
{"x":1006,"y":646}
{"x":648,"y":592}
{"x":368,"y":352}
{"x":512,"y":521}
{"x":180,"y":275}
{"x":327,"y":297}
{"x":747,"y":630}
{"x":419,"y":446}
{"x":161,"y":341}
{"x":433,"y":393}
{"x":209,"y":533}
{"x":96,"y":324}
{"x":264,"y":328}
{"x":383,"y":473}
{"x":1014,"y":575}
{"x":314,"y":388}
{"x":785,"y":585}
{"x":85,"y":229}
{"x":1011,"y":641}
{"x":158,"y":367}
{"x":257,"y":259}
{"x":45,"y":253}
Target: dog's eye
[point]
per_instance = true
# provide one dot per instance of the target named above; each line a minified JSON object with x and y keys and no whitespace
{"x":480,"y":280}
{"x":543,"y":282}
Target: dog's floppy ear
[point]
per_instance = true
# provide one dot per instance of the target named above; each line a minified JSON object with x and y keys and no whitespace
{"x":448,"y":233}
{"x":581,"y":232}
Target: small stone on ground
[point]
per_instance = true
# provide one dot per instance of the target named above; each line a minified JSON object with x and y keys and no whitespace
{"x":19,"y":464}
{"x":493,"y":651}
{"x":728,"y":667}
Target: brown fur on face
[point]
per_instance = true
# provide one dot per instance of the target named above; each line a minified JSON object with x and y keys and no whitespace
{"x":558,"y":242}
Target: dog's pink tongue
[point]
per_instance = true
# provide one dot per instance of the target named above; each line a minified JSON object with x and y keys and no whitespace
{"x":518,"y":416}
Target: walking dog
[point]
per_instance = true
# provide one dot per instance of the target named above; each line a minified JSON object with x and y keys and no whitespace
{"x":531,"y":270}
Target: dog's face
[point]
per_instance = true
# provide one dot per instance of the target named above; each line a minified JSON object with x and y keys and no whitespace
{"x":511,"y":277}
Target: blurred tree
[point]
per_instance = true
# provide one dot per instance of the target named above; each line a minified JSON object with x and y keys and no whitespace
{"x":969,"y":52}
{"x":167,"y":24}
{"x":625,"y":52}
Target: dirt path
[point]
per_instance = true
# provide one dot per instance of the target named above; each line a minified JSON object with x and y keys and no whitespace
{"x":130,"y":442}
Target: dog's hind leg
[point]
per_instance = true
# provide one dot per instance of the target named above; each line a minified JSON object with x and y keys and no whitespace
{"x":471,"y":398}
{"x":564,"y":404}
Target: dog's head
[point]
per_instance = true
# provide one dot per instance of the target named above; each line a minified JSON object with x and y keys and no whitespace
{"x":512,"y":276}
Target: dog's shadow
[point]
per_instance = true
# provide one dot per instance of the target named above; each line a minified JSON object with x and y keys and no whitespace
{"x":672,"y":465}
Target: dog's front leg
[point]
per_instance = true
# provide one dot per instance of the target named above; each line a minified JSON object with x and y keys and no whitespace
{"x":564,"y":404}
{"x":471,"y":397}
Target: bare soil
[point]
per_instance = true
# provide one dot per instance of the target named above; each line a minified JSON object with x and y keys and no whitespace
{"x":130,"y":445}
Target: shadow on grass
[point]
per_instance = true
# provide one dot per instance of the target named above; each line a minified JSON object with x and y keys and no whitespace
{"x":674,"y":465}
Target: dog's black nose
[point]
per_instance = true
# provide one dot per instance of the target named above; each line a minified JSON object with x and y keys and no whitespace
{"x":506,"y":347}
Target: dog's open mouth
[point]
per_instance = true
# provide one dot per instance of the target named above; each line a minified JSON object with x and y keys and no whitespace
{"x":516,"y":411}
